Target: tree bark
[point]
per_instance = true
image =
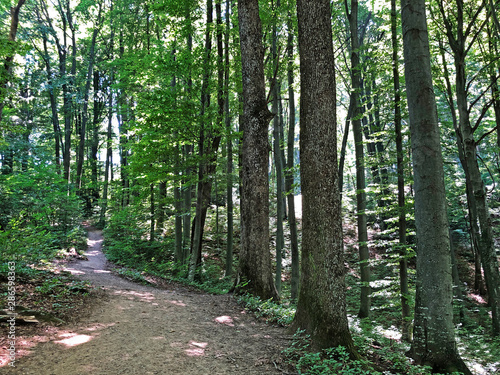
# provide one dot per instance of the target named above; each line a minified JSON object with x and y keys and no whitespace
{"x":434,"y":335}
{"x":321,"y":307}
{"x":255,"y":259}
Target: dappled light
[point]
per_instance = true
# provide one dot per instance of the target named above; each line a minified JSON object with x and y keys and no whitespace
{"x":74,"y":340}
{"x":131,"y":294}
{"x":226,"y":320}
{"x":196,"y":349}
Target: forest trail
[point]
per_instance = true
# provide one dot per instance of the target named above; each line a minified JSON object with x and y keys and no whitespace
{"x":138,"y":329}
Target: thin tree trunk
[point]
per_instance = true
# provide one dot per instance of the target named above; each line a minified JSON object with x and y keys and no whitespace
{"x":289,"y":175}
{"x":364,"y":254}
{"x":344,"y":148}
{"x":99,"y":105}
{"x":90,"y":69}
{"x":204,"y":186}
{"x":187,"y":191}
{"x":152,"y":209}
{"x":53,"y":105}
{"x":229,"y":172}
{"x":471,"y":205}
{"x":403,"y":263}
{"x":277,"y":162}
{"x":109,"y":154}
{"x":477,"y":189}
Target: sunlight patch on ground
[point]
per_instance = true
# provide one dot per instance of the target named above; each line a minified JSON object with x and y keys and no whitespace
{"x":479,"y":369}
{"x":74,"y":340}
{"x":101,"y":271}
{"x":92,"y":253}
{"x":94,"y":242}
{"x":227,"y":320}
{"x":392,"y":332}
{"x":196,"y":349}
{"x":177,"y":303}
{"x":74,"y":272}
{"x":145,"y":296}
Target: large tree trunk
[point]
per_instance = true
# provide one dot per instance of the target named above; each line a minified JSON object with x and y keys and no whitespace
{"x":255,"y":258}
{"x":434,"y":335}
{"x":321,"y":307}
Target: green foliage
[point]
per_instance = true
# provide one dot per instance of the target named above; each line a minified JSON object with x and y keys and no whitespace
{"x":329,"y":361}
{"x":38,"y":218}
{"x":127,"y":243}
{"x":131,"y":274}
{"x":40,"y":198}
{"x":61,"y":286}
{"x":333,"y":361}
{"x":272,"y":311}
{"x":25,"y":245}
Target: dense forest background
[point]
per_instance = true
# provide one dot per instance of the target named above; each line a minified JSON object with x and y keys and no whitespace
{"x":130,"y":115}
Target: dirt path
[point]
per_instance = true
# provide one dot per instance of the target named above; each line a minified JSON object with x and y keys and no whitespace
{"x":143,"y":330}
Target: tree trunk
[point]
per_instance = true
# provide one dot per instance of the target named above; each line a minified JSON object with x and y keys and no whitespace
{"x":109,"y":156}
{"x":434,"y":335}
{"x":83,"y":128}
{"x":99,"y":105}
{"x":321,"y":307}
{"x":229,"y":171}
{"x":187,"y":190}
{"x":255,"y":259}
{"x":364,"y":254}
{"x":277,"y":160}
{"x":289,"y":175}
{"x":476,"y":190}
{"x":344,"y":148}
{"x":403,"y":264}
{"x":206,"y":148}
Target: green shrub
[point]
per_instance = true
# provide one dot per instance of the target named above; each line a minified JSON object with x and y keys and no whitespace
{"x":272,"y":311}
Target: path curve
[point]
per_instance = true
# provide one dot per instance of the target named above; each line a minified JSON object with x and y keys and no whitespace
{"x":139,"y":329}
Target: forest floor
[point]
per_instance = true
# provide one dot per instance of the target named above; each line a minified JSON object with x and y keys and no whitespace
{"x":129,"y":328}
